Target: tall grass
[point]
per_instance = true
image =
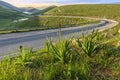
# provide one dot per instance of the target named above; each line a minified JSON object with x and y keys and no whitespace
{"x":62,"y":51}
{"x":24,"y":57}
{"x":88,"y":43}
{"x":63,"y":60}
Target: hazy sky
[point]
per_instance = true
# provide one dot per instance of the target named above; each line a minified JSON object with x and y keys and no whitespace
{"x":60,"y":1}
{"x":25,"y":3}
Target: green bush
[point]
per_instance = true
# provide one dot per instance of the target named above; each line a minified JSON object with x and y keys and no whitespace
{"x":88,"y":43}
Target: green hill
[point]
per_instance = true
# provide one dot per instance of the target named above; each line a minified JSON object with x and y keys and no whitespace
{"x":53,"y":22}
{"x":100,"y":10}
{"x":10,"y":14}
{"x":7,"y":16}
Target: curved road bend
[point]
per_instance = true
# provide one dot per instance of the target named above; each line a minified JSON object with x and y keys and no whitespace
{"x":9,"y":43}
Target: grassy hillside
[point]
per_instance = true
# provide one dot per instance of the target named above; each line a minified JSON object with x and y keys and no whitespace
{"x":102,"y":10}
{"x":9,"y":14}
{"x":8,"y":18}
{"x":110,"y":11}
{"x":53,"y":22}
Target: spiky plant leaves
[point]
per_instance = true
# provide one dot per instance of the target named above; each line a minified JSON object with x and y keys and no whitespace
{"x":24,"y":57}
{"x":88,"y":43}
{"x":62,"y":50}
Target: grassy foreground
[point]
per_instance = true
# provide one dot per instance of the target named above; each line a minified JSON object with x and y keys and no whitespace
{"x":73,"y":59}
{"x":92,"y":57}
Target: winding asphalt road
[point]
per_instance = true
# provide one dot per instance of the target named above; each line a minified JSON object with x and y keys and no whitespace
{"x":9,"y":43}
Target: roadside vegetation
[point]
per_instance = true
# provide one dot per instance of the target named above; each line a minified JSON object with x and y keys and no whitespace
{"x":83,"y":58}
{"x":41,"y":23}
{"x":72,"y":59}
{"x":94,"y":56}
{"x":53,"y":22}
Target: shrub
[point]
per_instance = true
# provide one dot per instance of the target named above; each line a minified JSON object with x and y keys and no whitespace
{"x":88,"y":43}
{"x":62,"y":50}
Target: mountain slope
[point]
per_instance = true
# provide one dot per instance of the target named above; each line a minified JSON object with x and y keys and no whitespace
{"x":8,"y":6}
{"x":7,"y":13}
{"x":7,"y":17}
{"x":100,"y":10}
{"x":10,"y":14}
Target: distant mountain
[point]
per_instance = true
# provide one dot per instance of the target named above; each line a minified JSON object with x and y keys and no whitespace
{"x":8,"y":11}
{"x":116,"y":3}
{"x":36,"y":11}
{"x":29,"y":10}
{"x":42,"y":11}
{"x":8,"y":6}
{"x":111,"y":3}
